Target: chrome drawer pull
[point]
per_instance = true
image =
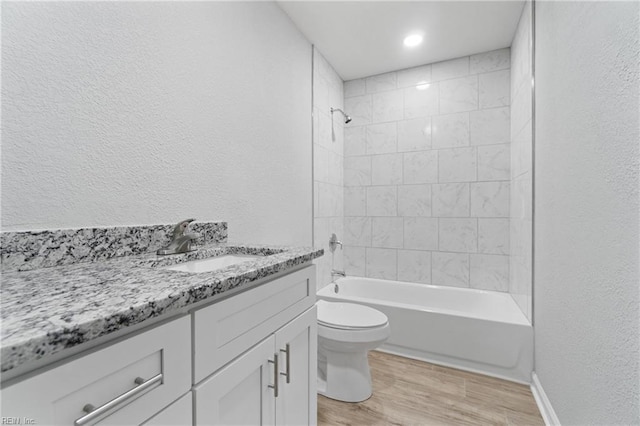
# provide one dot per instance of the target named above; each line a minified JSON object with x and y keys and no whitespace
{"x":287,"y":351}
{"x":275,"y":375}
{"x":93,"y":413}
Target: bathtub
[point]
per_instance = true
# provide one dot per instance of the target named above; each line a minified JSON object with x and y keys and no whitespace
{"x":475,"y":330}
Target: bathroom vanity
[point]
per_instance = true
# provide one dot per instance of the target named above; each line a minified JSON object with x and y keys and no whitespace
{"x":235,"y":345}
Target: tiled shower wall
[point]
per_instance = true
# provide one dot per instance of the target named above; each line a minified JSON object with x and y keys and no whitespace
{"x":427,"y":173}
{"x":521,"y":165}
{"x":328,"y":163}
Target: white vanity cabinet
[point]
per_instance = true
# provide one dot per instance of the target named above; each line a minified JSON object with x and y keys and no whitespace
{"x":130,"y":381}
{"x":249,"y":358}
{"x":263,"y":361}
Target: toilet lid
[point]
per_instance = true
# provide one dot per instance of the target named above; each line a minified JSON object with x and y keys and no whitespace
{"x":349,"y":315}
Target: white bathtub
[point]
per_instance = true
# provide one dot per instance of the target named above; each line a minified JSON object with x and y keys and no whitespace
{"x":475,"y":330}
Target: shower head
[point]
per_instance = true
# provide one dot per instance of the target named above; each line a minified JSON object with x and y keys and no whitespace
{"x":347,"y":119}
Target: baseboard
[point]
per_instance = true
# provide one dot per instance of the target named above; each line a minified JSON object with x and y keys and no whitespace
{"x":544,"y":405}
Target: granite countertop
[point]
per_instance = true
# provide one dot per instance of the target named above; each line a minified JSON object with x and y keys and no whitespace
{"x":47,"y":310}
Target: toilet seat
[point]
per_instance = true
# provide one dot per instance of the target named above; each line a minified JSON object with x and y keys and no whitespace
{"x":349,"y":316}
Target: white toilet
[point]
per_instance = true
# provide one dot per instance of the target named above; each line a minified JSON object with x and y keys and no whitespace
{"x":346,"y":333}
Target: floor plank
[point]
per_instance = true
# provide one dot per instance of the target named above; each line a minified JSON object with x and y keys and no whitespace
{"x":410,"y":392}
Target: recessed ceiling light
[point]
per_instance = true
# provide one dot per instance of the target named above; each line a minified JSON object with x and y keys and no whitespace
{"x":412,"y":40}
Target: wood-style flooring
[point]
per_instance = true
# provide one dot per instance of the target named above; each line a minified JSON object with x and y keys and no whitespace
{"x":410,"y":392}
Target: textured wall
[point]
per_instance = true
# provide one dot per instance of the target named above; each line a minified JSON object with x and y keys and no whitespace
{"x":328,"y":162}
{"x":520,"y":223}
{"x":586,"y":210}
{"x":427,"y":173}
{"x":152,"y":112}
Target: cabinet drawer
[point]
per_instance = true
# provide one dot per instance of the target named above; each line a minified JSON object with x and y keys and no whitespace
{"x":159,"y":357}
{"x":226,"y":329}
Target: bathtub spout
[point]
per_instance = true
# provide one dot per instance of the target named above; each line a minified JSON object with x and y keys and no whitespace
{"x":335,"y":273}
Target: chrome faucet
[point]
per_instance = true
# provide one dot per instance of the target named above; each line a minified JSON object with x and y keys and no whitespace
{"x":181,"y":241}
{"x":333,"y":243}
{"x":335,"y":273}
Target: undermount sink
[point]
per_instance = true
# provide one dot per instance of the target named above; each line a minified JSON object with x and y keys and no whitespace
{"x":211,"y":264}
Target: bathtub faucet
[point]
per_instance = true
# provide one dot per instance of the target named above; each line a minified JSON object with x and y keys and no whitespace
{"x":335,"y":273}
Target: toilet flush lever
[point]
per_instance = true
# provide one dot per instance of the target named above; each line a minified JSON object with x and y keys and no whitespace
{"x":333,"y":242}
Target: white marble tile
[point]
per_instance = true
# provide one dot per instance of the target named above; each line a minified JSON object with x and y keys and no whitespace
{"x":457,"y":165}
{"x":321,"y":94}
{"x":320,"y":163}
{"x":421,"y":233}
{"x":354,"y":141}
{"x":521,"y":193}
{"x":490,"y":126}
{"x":381,"y":263}
{"x":412,"y":77}
{"x":520,"y":108}
{"x":420,"y":167}
{"x":381,"y":138}
{"x":357,"y":231}
{"x":336,"y":144}
{"x":382,"y":201}
{"x":414,"y":266}
{"x":414,"y":134}
{"x":357,"y":171}
{"x":330,"y":200}
{"x":355,"y":201}
{"x":386,"y":169}
{"x":451,"y":269}
{"x":453,"y":68}
{"x":381,"y":82}
{"x":324,"y":129}
{"x":336,"y":169}
{"x":520,"y":52}
{"x":494,"y":162}
{"x":387,"y":232}
{"x":458,"y":235}
{"x":450,"y":131}
{"x":458,"y":95}
{"x":494,"y":89}
{"x":493,"y":236}
{"x":490,"y":199}
{"x":354,"y":261}
{"x":489,"y":272}
{"x":387,"y":106}
{"x":414,"y":200}
{"x":320,"y":232}
{"x":490,"y":61}
{"x":421,"y":100}
{"x":521,"y":151}
{"x":450,"y":200}
{"x":359,"y":108}
{"x":354,"y":88}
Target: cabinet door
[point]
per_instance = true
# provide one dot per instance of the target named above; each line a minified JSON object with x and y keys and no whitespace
{"x":297,"y":344}
{"x":240,"y":393}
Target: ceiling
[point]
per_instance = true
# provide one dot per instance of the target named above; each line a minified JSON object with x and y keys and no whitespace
{"x":363,"y":38}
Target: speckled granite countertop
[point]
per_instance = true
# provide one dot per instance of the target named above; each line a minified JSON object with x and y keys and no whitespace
{"x":47,"y":310}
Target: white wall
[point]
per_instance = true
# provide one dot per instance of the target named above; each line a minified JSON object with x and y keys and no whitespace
{"x":328,"y":162}
{"x":521,"y":223}
{"x":140,"y":113}
{"x":427,"y":173}
{"x":586,"y":210}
